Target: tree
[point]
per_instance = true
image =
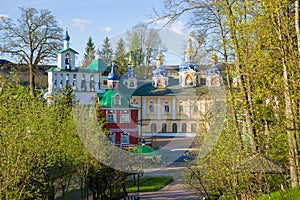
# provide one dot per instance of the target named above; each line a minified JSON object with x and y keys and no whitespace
{"x":89,"y":54}
{"x":106,"y":51}
{"x":34,"y":39}
{"x":120,"y":56}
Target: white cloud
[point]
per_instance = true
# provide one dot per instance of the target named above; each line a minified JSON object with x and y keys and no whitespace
{"x":105,"y":29}
{"x":177,"y":26}
{"x":108,"y":29}
{"x":3,"y":16}
{"x":80,"y":23}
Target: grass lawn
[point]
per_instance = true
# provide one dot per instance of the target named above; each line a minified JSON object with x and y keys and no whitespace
{"x":148,"y":184}
{"x":292,"y":193}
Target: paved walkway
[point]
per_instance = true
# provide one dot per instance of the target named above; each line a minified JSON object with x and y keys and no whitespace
{"x":174,"y":190}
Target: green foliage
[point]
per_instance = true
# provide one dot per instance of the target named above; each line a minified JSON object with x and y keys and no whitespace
{"x":106,"y":52}
{"x":121,"y":58}
{"x":148,"y":184}
{"x":89,"y":54}
{"x":292,"y":193}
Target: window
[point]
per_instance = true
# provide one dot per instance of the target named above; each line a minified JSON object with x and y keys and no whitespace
{"x":183,"y":128}
{"x":180,"y":108}
{"x":110,"y":118}
{"x":166,"y":109}
{"x":125,"y":118}
{"x":194,"y":128}
{"x":164,"y":128}
{"x":153,"y":128}
{"x":117,"y":100}
{"x":104,"y":82}
{"x":124,"y":139}
{"x":151,"y":108}
{"x":174,"y":128}
{"x":196,"y":108}
{"x":112,"y":138}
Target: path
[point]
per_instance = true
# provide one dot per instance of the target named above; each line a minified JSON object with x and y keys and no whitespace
{"x":174,"y":190}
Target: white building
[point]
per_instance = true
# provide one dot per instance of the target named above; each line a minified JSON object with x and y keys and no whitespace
{"x":86,"y":83}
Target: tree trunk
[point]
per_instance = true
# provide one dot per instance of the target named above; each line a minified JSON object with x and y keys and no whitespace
{"x":297,"y":2}
{"x":290,"y":129}
{"x":31,"y":81}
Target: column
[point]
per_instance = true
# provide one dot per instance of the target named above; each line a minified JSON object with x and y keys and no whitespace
{"x":87,"y":82}
{"x":173,"y":108}
{"x":78,"y":82}
{"x":144,"y":109}
{"x":58,"y":79}
{"x":71,"y":80}
{"x":158,"y":108}
{"x":96,"y":83}
{"x":64,"y":80}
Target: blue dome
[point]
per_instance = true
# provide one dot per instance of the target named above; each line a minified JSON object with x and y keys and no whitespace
{"x":160,"y":71}
{"x":129,"y":73}
{"x":67,"y":37}
{"x":112,"y":76}
{"x":186,"y":65}
{"x":213,"y":70}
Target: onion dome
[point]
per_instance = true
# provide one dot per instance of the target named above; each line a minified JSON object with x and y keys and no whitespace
{"x":112,"y":76}
{"x":213,"y":69}
{"x":67,"y":37}
{"x":129,"y":73}
{"x":189,"y":53}
{"x":159,"y":70}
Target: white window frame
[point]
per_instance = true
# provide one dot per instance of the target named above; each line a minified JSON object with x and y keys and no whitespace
{"x":107,"y":117}
{"x":128,"y":138}
{"x":121,"y":117}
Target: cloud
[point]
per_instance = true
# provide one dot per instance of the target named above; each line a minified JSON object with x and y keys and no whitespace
{"x":108,"y":29}
{"x":105,"y":29}
{"x":80,"y":23}
{"x":177,"y":26}
{"x":3,"y":16}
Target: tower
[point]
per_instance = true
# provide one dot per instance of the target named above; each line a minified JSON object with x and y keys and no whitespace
{"x":159,"y":75}
{"x":213,"y":74}
{"x":130,"y":78}
{"x":66,"y":56}
{"x":113,"y":78}
{"x":189,"y":76}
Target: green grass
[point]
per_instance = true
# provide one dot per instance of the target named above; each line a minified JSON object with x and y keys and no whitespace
{"x":148,"y":184}
{"x":292,"y":193}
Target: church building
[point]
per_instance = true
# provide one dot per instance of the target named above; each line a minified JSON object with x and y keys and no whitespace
{"x":162,"y":105}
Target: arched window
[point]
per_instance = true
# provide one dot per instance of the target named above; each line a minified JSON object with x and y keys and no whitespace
{"x":83,"y":83}
{"x":151,"y":108}
{"x":194,"y":128}
{"x":117,"y":99}
{"x":153,"y":128}
{"x":164,"y":128}
{"x":67,"y":61}
{"x":92,"y":83}
{"x":183,"y":128}
{"x":174,"y":128}
{"x":167,"y":108}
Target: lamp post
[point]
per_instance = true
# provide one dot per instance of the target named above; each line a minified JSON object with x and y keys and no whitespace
{"x":138,"y":192}
{"x":63,"y":186}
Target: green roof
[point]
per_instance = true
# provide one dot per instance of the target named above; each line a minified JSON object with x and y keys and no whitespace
{"x":98,"y":65}
{"x":145,"y":88}
{"x":68,"y":49}
{"x":107,"y":99}
{"x":56,"y":69}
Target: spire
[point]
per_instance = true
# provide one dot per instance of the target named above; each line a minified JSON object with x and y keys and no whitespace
{"x":66,"y":40}
{"x":129,"y":60}
{"x":159,"y":59}
{"x":97,"y":54}
{"x":189,"y":52}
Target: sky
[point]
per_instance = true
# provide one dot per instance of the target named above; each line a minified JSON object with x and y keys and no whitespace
{"x":93,"y":18}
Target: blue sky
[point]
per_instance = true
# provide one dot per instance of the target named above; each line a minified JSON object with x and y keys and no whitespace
{"x":95,"y":18}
